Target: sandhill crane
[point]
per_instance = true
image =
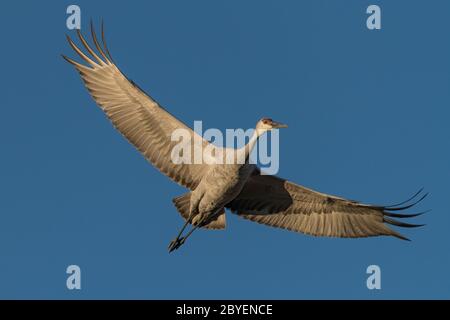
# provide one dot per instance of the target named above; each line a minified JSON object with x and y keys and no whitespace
{"x":241,"y":188}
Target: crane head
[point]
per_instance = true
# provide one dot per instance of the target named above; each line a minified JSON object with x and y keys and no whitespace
{"x":266,"y":124}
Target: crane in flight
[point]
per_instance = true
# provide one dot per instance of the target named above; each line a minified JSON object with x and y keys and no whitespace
{"x":215,"y":186}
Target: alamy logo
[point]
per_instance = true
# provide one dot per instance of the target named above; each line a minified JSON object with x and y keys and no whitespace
{"x":74,"y":20}
{"x":374,"y":280}
{"x":74,"y":279}
{"x":236,"y":146}
{"x":374,"y":20}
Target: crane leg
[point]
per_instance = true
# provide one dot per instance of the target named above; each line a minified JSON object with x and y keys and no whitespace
{"x":179,"y":240}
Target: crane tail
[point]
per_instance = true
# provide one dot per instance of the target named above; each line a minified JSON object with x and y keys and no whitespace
{"x":183,"y":202}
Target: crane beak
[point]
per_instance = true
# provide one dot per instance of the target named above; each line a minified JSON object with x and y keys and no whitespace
{"x":278,"y":125}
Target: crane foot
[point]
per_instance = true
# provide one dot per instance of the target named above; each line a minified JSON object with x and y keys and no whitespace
{"x":175,"y":244}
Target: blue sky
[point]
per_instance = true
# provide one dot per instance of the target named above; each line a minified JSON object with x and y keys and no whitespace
{"x":368,"y":116}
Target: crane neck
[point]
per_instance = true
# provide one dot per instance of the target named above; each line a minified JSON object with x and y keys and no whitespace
{"x":246,"y":150}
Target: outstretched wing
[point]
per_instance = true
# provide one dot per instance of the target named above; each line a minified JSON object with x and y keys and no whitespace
{"x":136,"y":115}
{"x":279,"y":203}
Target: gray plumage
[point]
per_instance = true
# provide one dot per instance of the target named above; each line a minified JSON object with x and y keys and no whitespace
{"x":215,"y":187}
